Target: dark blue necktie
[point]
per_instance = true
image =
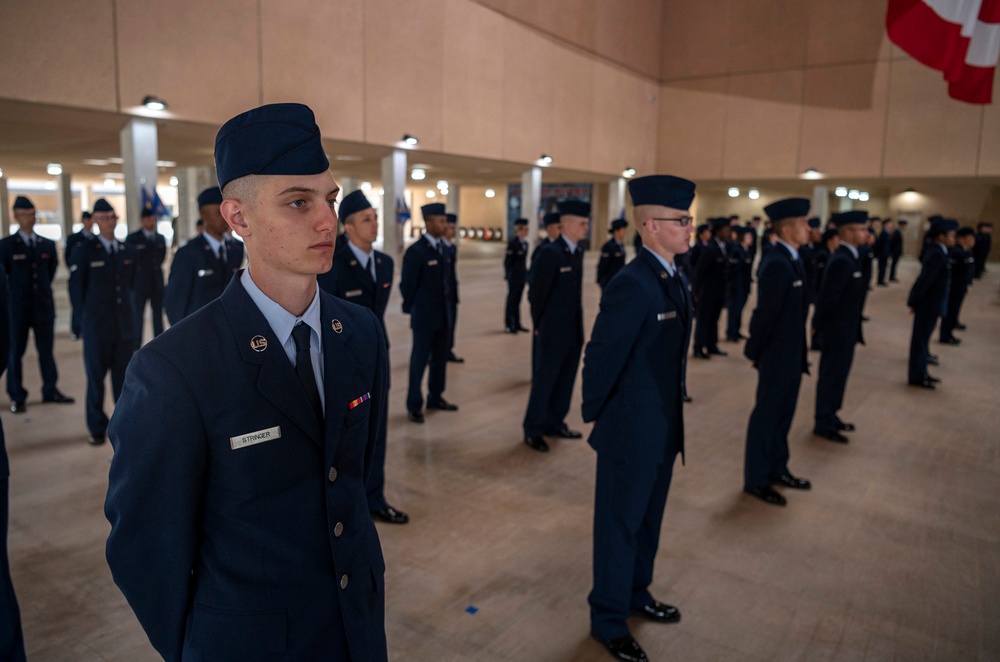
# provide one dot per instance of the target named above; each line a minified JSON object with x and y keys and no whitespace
{"x":304,"y":368}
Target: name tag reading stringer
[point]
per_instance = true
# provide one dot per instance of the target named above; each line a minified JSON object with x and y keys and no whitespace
{"x":253,"y":438}
{"x":666,"y":316}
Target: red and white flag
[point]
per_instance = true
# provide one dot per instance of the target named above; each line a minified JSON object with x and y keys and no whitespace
{"x":958,"y":37}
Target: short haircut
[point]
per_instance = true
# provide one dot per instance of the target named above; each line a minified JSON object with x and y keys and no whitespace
{"x":243,"y":189}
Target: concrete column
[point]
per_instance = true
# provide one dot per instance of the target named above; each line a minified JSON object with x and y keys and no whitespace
{"x":190,"y":182}
{"x":616,"y":198}
{"x":531,"y":198}
{"x":139,"y":146}
{"x":452,"y":201}
{"x":4,"y":208}
{"x":394,"y":185}
{"x":64,"y":202}
{"x":820,"y":203}
{"x":348,"y":185}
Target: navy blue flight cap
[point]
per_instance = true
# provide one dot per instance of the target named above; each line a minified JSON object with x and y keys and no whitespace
{"x":352,"y":203}
{"x":276,"y":139}
{"x":966,"y":232}
{"x":452,"y":218}
{"x":433,"y":209}
{"x":552,"y":218}
{"x":829,"y":234}
{"x":814,"y":222}
{"x":521,"y":221}
{"x":23,"y":203}
{"x":618,"y":224}
{"x":942,"y":226}
{"x":86,"y":216}
{"x":103,"y":206}
{"x":787,"y":208}
{"x":934,"y":219}
{"x":856,"y":217}
{"x":574,"y":207}
{"x":718,"y":223}
{"x":662,"y":190}
{"x":146,"y":211}
{"x":210,"y":196}
{"x":701,"y":228}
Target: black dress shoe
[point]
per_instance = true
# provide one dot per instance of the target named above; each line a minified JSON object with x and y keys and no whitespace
{"x":865,"y":318}
{"x":932,"y":379}
{"x":625,"y":649}
{"x":923,"y":383}
{"x":788,"y":480}
{"x":883,"y":284}
{"x":932,"y":359}
{"x":767,"y":494}
{"x":96,"y":439}
{"x":507,"y":329}
{"x":538,"y":443}
{"x":951,"y":340}
{"x":700,"y":355}
{"x":455,"y":359}
{"x":659,"y":612}
{"x":522,"y":329}
{"x":58,"y":398}
{"x":832,"y":435}
{"x":443,"y":405}
{"x":688,"y":398}
{"x":718,"y":352}
{"x":391,"y":515}
{"x":18,"y":407}
{"x":846,"y":427}
{"x":566,"y":433}
{"x":960,"y":327}
{"x":416,"y":416}
{"x":893,"y":280}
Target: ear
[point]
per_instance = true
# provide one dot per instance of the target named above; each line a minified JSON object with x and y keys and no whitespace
{"x":234,"y":212}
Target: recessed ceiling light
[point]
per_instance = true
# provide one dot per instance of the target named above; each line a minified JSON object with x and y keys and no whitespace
{"x":753,"y":194}
{"x":154,"y":103}
{"x":54,"y":169}
{"x":431,"y":193}
{"x":840,"y":191}
{"x":412,"y":141}
{"x":863,"y":196}
{"x":348,"y":157}
{"x":166,"y":164}
{"x":734,"y":192}
{"x":490,"y":193}
{"x":96,"y":162}
{"x":628,"y":172}
{"x":366,"y":186}
{"x":174,"y":181}
{"x":418,"y":174}
{"x":812,"y":173}
{"x":545,"y":159}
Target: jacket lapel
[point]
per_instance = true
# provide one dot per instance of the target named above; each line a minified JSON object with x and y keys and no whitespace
{"x":339,"y":366}
{"x":276,"y":378}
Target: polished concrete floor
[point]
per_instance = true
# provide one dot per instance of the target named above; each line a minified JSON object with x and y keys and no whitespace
{"x":894,"y":554}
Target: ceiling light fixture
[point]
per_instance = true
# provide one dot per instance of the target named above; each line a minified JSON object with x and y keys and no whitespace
{"x":734,"y":192}
{"x":490,"y":193}
{"x":812,"y":173}
{"x":863,"y":196}
{"x":154,"y":103}
{"x":545,"y":159}
{"x":628,"y":172}
{"x":366,"y":186}
{"x":854,"y":194}
{"x":442,"y":185}
{"x":840,"y":191}
{"x":1,"y":172}
{"x":412,"y":141}
{"x":417,"y":173}
{"x":54,"y":169}
{"x":431,"y":193}
{"x":753,"y":194}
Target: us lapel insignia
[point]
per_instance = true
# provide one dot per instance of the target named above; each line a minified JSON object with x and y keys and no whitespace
{"x":663,"y":275}
{"x":337,"y":326}
{"x":258,"y":343}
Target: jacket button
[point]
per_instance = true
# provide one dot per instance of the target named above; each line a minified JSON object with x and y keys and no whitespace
{"x":343,"y":581}
{"x":338,"y":529}
{"x":333,"y":474}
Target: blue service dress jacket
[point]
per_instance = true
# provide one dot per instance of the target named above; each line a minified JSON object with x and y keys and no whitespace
{"x":197,"y":277}
{"x":634,"y":364}
{"x":778,"y":322}
{"x":841,"y":296}
{"x":347,"y":279}
{"x":422,"y":284}
{"x":556,"y":279}
{"x":29,"y":277}
{"x":929,"y":290}
{"x":611,"y":261}
{"x":239,"y":524}
{"x":151,"y":254}
{"x":100,"y":287}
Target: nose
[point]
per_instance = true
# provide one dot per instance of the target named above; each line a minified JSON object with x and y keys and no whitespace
{"x":327,"y":221}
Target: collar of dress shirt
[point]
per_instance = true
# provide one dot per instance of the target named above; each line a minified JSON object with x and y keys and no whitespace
{"x":281,"y":321}
{"x":360,"y":254}
{"x":110,"y":246}
{"x":571,"y":244}
{"x":671,"y":269}
{"x":213,"y":243}
{"x":793,"y":251}
{"x":852,"y":248}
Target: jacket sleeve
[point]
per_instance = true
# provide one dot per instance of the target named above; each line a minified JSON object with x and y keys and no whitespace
{"x":155,"y":495}
{"x":542,"y":279}
{"x":177,"y":294}
{"x":53,"y":264}
{"x":4,"y":320}
{"x":78,"y":271}
{"x":831,"y":291}
{"x":409,"y":279}
{"x":773,"y":283}
{"x":933,"y":263}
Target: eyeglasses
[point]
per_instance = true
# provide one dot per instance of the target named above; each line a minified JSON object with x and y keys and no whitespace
{"x":26,"y":215}
{"x":683,"y":220}
{"x":98,"y":217}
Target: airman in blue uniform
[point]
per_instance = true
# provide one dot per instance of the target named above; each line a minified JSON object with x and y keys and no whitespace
{"x":71,"y":242}
{"x":777,"y":347}
{"x":963,"y":269}
{"x":151,"y":247}
{"x":555,"y":293}
{"x":363,"y":275}
{"x":838,"y":323}
{"x":927,"y":298}
{"x":553,"y":228}
{"x":515,"y":272}
{"x":450,"y":231}
{"x":240,"y":530}
{"x":896,"y":249}
{"x":612,"y":253}
{"x":101,"y":280}
{"x":632,"y":391}
{"x":426,"y":284}
{"x":709,"y":288}
{"x":203,"y":267}
{"x":738,"y":282}
{"x":30,"y":262}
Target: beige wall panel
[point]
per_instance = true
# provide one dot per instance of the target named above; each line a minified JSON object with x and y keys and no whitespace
{"x":768,"y":35}
{"x":527,"y":94}
{"x":404,"y":51}
{"x":842,"y":31}
{"x":313,"y":53}
{"x":989,"y":148}
{"x":692,"y":129}
{"x":572,"y":20}
{"x":58,"y":52}
{"x":625,"y":121}
{"x":572,"y":91}
{"x":480,"y":211}
{"x":845,"y":141}
{"x":696,"y":38}
{"x":928,"y":133}
{"x":631,"y":32}
{"x":498,"y":5}
{"x":211,"y":74}
{"x":473,"y":77}
{"x":762,"y":136}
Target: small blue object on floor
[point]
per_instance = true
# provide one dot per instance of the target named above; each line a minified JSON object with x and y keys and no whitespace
{"x":471,"y":609}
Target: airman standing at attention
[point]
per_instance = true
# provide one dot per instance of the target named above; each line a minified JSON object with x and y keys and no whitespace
{"x":151,"y":247}
{"x":553,"y":228}
{"x":632,"y":391}
{"x":101,"y":281}
{"x":363,"y":275}
{"x":838,"y":323}
{"x":426,"y":284}
{"x":926,"y":298}
{"x":450,"y":231}
{"x":709,"y":288}
{"x":515,"y":272}
{"x":557,"y":316}
{"x":71,"y":242}
{"x":203,"y":267}
{"x":963,"y":268}
{"x":777,"y":347}
{"x":30,"y":262}
{"x":612,"y":253}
